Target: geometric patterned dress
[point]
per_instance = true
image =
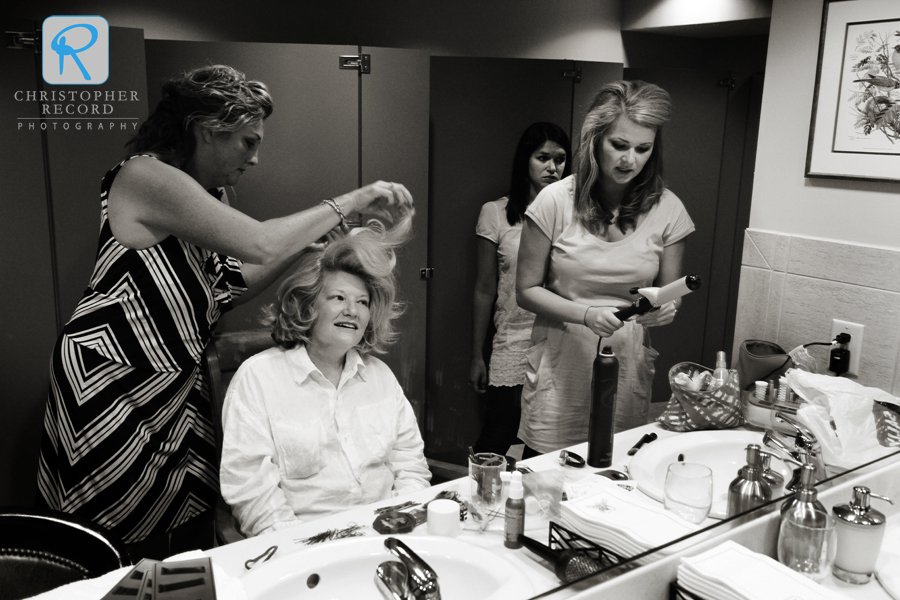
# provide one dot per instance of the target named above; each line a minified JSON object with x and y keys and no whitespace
{"x":128,"y":436}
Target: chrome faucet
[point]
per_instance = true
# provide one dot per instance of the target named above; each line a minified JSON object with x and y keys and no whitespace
{"x":423,"y":581}
{"x":804,"y":449}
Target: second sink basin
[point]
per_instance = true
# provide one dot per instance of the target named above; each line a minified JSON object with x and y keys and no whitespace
{"x":723,"y":451}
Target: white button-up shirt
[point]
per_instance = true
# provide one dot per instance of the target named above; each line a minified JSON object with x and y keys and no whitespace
{"x":295,"y":448}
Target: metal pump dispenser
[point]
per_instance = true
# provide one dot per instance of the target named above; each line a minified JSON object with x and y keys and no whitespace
{"x":749,"y":489}
{"x":804,"y":507}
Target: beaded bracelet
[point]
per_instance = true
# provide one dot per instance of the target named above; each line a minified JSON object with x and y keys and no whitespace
{"x":330,"y":202}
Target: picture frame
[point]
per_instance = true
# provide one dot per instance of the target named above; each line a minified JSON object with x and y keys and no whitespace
{"x":855,"y":127}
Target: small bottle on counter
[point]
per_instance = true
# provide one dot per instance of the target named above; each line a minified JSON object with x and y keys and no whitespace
{"x":505,"y":478}
{"x":515,"y":513}
{"x":860,"y":531}
{"x":720,"y":375}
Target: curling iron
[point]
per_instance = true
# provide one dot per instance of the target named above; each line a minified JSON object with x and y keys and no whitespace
{"x":651,"y":298}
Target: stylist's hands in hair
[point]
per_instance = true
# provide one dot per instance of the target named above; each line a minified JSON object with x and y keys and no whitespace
{"x":478,"y":375}
{"x":663,"y":316}
{"x":383,"y":199}
{"x":602,"y":320}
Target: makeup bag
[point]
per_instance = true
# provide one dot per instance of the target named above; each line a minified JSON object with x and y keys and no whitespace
{"x":697,"y":402}
{"x":759,"y":360}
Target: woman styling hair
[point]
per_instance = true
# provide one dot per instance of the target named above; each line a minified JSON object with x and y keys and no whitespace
{"x":586,"y":242}
{"x":128,"y":439}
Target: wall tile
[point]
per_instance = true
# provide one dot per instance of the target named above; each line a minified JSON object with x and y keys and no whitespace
{"x":774,"y":247}
{"x":753,"y":302}
{"x":849,"y":263}
{"x":751,"y":255}
{"x":774,"y":304}
{"x":809,"y":306}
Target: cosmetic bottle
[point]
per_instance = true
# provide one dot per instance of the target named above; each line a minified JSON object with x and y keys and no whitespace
{"x":515,"y":513}
{"x":860,"y":531}
{"x":720,"y":375}
{"x":749,"y":489}
{"x":505,"y":478}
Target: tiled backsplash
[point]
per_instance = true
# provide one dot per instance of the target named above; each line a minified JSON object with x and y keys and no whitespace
{"x":792,"y":287}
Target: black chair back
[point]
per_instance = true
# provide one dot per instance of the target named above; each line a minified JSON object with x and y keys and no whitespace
{"x":42,"y":549}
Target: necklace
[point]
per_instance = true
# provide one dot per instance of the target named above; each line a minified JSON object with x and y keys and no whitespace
{"x":612,"y":220}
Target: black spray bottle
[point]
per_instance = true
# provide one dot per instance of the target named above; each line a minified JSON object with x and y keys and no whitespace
{"x":604,"y":388}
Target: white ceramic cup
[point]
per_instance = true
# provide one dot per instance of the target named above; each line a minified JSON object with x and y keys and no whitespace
{"x":443,"y":518}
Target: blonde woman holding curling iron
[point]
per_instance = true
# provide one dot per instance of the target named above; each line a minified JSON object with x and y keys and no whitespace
{"x":586,"y":242}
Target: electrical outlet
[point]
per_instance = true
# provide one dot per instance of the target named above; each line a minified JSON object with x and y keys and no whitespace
{"x":856,"y":338}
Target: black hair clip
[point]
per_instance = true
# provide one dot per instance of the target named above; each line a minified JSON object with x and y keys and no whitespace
{"x":570,"y":459}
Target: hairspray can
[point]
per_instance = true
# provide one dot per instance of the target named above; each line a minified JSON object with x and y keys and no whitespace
{"x":604,"y":387}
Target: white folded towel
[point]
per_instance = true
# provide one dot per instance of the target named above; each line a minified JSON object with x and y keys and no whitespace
{"x":227,"y":587}
{"x":732,"y":572}
{"x":622,"y":520}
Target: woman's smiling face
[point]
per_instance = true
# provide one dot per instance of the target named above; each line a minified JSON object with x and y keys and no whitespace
{"x":342,"y":312}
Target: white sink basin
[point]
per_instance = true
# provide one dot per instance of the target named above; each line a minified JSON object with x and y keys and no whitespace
{"x":345,"y":569}
{"x":723,"y":451}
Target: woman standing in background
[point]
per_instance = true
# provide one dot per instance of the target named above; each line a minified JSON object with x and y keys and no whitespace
{"x":586,"y":242}
{"x":541,"y":158}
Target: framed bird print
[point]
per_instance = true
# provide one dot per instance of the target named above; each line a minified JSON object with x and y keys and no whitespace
{"x":855,"y":128}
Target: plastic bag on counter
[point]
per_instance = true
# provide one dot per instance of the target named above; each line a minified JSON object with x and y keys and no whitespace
{"x":698,"y":402}
{"x":853,"y":423}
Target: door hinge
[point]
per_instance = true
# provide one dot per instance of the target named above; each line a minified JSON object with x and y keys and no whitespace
{"x":356,"y":62}
{"x":23,"y":40}
{"x":728,"y":82}
{"x":574,"y":74}
{"x":426,"y":273}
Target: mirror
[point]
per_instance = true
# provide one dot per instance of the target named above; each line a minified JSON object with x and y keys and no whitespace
{"x":488,"y":183}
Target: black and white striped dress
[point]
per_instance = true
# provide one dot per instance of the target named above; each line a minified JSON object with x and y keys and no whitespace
{"x":128,"y":437}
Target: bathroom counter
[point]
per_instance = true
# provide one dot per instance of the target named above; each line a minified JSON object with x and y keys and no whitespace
{"x":232,"y":556}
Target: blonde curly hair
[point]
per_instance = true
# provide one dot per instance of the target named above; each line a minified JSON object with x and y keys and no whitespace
{"x":367,"y":252}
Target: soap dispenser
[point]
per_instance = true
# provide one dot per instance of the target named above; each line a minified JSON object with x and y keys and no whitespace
{"x":860,"y":530}
{"x":805,"y":501}
{"x":749,"y":489}
{"x":806,"y":536}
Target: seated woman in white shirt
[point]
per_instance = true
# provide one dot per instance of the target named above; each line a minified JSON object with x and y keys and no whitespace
{"x":317,"y":424}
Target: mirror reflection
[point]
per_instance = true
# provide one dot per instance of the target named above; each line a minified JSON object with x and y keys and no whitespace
{"x":743,"y":434}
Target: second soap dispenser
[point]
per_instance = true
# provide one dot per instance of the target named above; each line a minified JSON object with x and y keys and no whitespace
{"x":749,"y":489}
{"x":860,"y":531}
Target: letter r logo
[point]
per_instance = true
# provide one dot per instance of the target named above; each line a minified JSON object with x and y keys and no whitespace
{"x":75,"y":50}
